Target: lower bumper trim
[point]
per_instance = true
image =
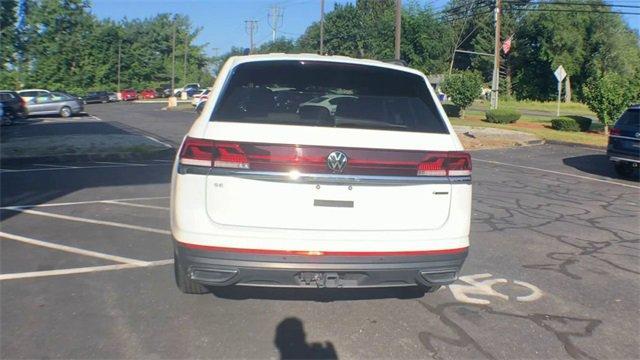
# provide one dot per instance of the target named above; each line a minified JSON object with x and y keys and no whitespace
{"x":295,"y":270}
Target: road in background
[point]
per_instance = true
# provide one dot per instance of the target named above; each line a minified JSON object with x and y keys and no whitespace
{"x":552,"y":271}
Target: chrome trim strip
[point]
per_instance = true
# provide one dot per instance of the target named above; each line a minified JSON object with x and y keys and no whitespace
{"x":617,"y":158}
{"x":340,"y":179}
{"x":624,"y":137}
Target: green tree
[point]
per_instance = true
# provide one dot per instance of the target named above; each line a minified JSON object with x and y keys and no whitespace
{"x":586,"y":44}
{"x":608,"y":96}
{"x":8,"y":37}
{"x":462,"y":88}
{"x":280,"y":45}
{"x":419,"y":47}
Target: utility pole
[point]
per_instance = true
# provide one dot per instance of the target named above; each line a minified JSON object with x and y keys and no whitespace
{"x":398,"y":28}
{"x":119,"y":64}
{"x":173,"y":61}
{"x":251,"y":26}
{"x":215,"y":51}
{"x":495,"y":81}
{"x":275,"y":20}
{"x":186,"y":50}
{"x":321,"y":27}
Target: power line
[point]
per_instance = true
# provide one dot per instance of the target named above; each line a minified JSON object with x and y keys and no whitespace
{"x":577,"y":11}
{"x":516,"y":2}
{"x":448,"y":21}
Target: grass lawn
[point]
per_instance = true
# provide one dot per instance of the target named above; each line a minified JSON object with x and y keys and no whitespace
{"x":547,"y":108}
{"x":536,"y":119}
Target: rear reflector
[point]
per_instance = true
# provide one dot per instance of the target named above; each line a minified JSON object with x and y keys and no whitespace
{"x":323,"y":253}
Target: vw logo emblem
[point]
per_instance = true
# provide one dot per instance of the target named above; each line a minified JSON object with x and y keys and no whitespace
{"x":337,"y":161}
{"x":638,"y":134}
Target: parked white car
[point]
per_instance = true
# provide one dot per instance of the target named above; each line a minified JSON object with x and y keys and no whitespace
{"x":327,"y":103}
{"x":201,"y":96}
{"x":187,"y":86}
{"x":377,"y":194}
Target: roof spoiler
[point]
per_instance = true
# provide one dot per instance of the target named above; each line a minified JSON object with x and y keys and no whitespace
{"x":398,"y":62}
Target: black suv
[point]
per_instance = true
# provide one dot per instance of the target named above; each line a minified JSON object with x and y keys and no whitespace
{"x":97,"y":97}
{"x":624,"y":143}
{"x":13,"y":106}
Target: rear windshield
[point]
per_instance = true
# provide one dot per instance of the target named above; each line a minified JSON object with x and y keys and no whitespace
{"x":630,"y":118}
{"x":328,"y":94}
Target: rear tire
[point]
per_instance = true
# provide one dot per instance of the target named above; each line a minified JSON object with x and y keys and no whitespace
{"x":625,"y":169}
{"x":65,"y":112}
{"x":184,"y":282}
{"x":8,"y":118}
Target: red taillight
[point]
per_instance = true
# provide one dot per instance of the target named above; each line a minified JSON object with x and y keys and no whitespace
{"x":203,"y":152}
{"x":615,"y":131}
{"x":445,"y":164}
{"x":23,"y":104}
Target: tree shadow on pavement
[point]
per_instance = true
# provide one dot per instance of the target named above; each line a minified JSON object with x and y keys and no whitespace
{"x":25,"y":182}
{"x":595,"y":164}
{"x":291,"y":341}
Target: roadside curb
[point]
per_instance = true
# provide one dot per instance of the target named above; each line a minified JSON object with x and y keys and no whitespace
{"x":567,"y":143}
{"x":166,"y":154}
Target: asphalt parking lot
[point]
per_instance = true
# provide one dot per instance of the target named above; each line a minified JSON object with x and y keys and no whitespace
{"x":86,"y":269}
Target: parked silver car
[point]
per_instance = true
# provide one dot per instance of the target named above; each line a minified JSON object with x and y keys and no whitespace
{"x":54,"y":103}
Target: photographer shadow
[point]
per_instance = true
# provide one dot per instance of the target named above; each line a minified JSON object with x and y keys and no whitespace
{"x":292,"y":343}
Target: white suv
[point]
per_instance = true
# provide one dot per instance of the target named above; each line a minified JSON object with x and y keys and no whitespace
{"x":373,"y":193}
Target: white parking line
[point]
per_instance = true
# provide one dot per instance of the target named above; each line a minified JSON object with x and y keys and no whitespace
{"x":119,"y":163}
{"x":90,"y":269}
{"x":74,"y":250}
{"x":81,"y":167}
{"x":92,"y":221}
{"x":158,"y":141}
{"x":57,"y":166}
{"x":134,"y":205}
{"x":559,"y":173}
{"x":16,"y":207}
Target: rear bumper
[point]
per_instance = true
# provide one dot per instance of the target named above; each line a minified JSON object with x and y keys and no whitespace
{"x":221,"y":268}
{"x":623,"y":157}
{"x":615,"y":155}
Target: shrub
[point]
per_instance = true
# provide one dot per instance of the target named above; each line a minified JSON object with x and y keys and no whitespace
{"x":583,"y":122}
{"x":451,"y":110}
{"x":565,"y":124}
{"x":462,"y":88}
{"x":502,"y":116}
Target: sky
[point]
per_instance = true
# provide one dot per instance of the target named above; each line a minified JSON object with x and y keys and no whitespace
{"x":223,"y":21}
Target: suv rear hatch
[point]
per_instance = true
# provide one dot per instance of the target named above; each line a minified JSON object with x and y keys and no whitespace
{"x":359,"y":164}
{"x":625,"y":136}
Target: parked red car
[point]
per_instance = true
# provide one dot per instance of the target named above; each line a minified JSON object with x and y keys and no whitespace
{"x":128,"y":94}
{"x":148,"y":94}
